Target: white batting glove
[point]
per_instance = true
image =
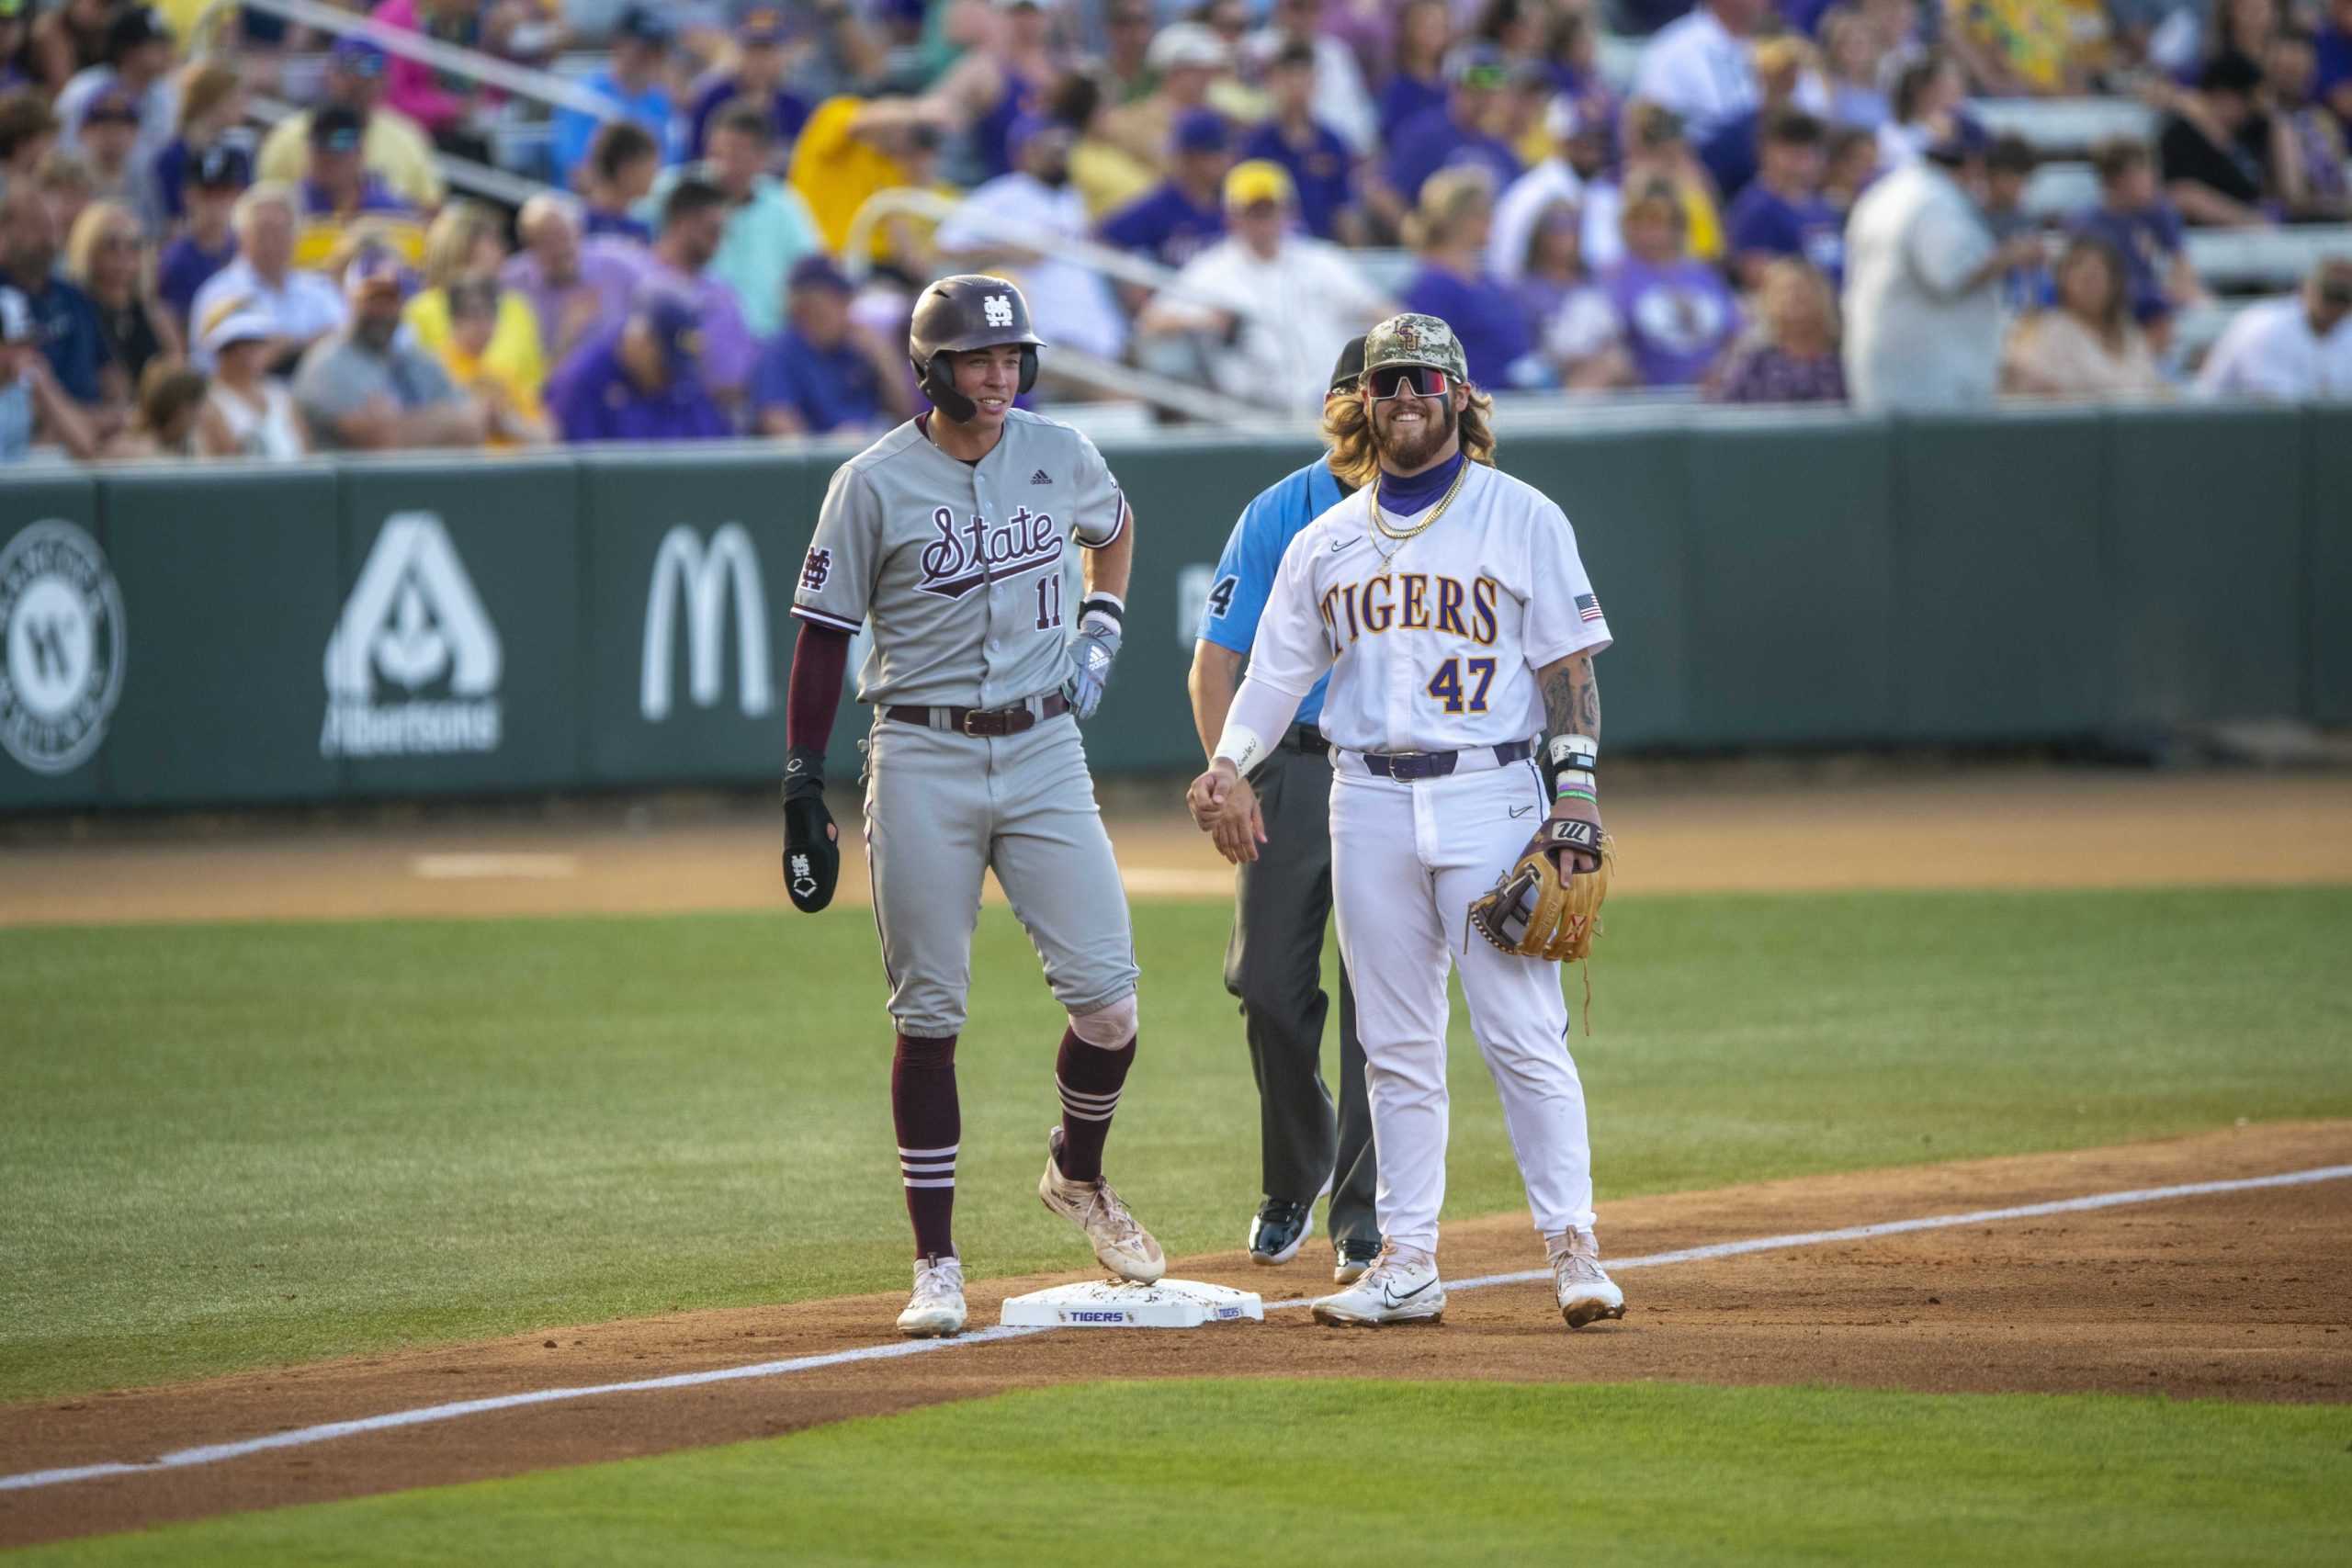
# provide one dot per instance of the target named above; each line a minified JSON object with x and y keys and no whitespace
{"x":1096,"y":645}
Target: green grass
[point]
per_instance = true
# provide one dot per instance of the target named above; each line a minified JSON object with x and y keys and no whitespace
{"x":1275,"y":1472}
{"x":234,"y":1145}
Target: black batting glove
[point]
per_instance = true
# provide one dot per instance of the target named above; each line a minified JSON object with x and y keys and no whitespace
{"x":812,"y":851}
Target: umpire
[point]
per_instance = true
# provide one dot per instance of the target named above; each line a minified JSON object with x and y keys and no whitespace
{"x":1282,"y":901}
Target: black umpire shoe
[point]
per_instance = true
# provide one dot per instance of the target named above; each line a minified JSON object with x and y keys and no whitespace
{"x":1280,"y":1230}
{"x":1351,"y":1257}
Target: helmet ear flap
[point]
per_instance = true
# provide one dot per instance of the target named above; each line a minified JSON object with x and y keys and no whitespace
{"x":938,"y":383}
{"x":1028,"y":366}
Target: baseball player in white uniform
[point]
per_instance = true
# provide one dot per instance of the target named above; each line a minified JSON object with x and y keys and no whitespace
{"x":951,"y":537}
{"x":1447,"y":602}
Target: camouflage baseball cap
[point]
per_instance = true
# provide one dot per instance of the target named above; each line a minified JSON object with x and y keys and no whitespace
{"x":1414,"y":340}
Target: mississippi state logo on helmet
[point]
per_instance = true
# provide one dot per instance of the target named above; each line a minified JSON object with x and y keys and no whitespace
{"x":957,"y":314}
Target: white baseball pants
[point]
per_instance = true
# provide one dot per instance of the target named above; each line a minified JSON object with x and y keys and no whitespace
{"x":1407,"y":860}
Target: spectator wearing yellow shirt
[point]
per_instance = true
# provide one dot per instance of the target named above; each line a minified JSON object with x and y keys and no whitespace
{"x":853,"y":148}
{"x":2027,"y":47}
{"x":339,"y":195}
{"x":468,"y":242}
{"x":477,"y":310}
{"x":394,"y":146}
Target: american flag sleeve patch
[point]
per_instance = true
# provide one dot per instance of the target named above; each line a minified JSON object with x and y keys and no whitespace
{"x":1588,"y":606}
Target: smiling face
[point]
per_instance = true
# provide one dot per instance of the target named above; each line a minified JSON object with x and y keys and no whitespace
{"x":992,"y":378}
{"x":1409,"y":431}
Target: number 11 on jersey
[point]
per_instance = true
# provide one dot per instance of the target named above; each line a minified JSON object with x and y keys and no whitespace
{"x":1049,"y":602}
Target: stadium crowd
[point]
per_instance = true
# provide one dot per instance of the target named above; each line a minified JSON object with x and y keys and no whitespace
{"x":225,"y":235}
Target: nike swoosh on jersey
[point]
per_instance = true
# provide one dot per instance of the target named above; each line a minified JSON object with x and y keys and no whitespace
{"x":1339,"y":545}
{"x":1520,"y":810}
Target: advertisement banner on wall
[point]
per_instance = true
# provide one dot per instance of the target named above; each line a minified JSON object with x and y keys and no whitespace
{"x":454,"y":660}
{"x":64,"y":643}
{"x":689,"y":599}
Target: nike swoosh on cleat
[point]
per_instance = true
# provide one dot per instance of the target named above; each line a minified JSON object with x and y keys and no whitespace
{"x":1392,"y":1300}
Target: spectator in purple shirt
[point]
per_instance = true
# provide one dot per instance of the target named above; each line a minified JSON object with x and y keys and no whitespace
{"x":1460,"y":132}
{"x":1186,"y":215}
{"x":574,"y":285}
{"x":1424,"y":29}
{"x":1796,"y":359}
{"x":694,"y":222}
{"x":1678,"y":313}
{"x":2133,"y":217}
{"x":217,"y":178}
{"x":623,"y":162}
{"x":1322,"y":168}
{"x":1450,"y":229}
{"x":2332,"y":84}
{"x":823,"y":372}
{"x":1782,"y":212}
{"x":639,"y":379}
{"x":767,"y":45}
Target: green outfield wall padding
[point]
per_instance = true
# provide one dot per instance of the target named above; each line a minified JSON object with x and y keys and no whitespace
{"x":2002,"y":614}
{"x":2327,"y":580}
{"x":2206,"y":564}
{"x":374,"y":628}
{"x":1791,"y":581}
{"x":1626,"y":493}
{"x":232,"y":577}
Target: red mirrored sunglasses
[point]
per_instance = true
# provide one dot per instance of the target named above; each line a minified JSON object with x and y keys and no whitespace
{"x":1421,"y":380}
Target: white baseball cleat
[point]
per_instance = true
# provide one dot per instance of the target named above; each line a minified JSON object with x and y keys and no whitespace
{"x":1587,"y":1292}
{"x":936,"y":1309}
{"x":1120,"y":1243}
{"x":1401,"y":1286}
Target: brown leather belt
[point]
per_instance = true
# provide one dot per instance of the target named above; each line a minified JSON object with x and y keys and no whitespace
{"x":986,"y":723}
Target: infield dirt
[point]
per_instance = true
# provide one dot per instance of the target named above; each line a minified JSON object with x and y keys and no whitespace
{"x":2236,"y":1296}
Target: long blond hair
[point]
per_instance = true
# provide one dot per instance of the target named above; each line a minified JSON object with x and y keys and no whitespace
{"x":1347,"y":431}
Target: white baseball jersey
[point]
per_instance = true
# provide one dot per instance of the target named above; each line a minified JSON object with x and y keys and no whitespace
{"x":1434,"y":646}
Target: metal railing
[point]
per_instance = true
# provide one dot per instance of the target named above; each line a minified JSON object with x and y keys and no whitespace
{"x":1162,"y":391}
{"x":521,"y":81}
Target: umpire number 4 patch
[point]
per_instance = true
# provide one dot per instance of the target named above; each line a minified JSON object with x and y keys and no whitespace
{"x":1221,"y":596}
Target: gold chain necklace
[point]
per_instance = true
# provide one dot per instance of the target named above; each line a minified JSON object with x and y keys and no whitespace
{"x":1380,"y":520}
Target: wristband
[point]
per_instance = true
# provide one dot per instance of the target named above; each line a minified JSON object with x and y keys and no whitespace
{"x":1241,"y":746}
{"x":1573,"y":793}
{"x":1109,"y":604}
{"x":1580,"y":751}
{"x":804,"y":772}
{"x":1569,"y":757}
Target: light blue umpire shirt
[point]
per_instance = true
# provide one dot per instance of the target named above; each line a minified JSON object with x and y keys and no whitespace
{"x":1245,"y":572}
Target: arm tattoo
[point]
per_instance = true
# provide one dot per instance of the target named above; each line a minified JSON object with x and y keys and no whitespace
{"x":1572,"y":698}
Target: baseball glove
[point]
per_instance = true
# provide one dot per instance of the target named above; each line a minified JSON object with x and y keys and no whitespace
{"x":1534,"y":911}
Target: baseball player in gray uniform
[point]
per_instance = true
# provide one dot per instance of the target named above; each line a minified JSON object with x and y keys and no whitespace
{"x":953,"y":537}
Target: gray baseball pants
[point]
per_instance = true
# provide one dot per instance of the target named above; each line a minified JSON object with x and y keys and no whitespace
{"x":941,"y":809}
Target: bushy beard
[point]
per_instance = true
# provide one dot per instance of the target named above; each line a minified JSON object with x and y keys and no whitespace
{"x":1415,"y":452}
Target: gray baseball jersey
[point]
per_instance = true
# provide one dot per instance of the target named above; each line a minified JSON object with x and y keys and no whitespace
{"x":968,"y":573}
{"x":965,"y":568}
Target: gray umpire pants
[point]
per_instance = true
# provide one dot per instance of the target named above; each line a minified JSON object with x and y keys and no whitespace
{"x":1274,"y":965}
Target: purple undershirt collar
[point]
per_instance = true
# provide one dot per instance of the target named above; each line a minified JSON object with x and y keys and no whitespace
{"x":1402,"y":498}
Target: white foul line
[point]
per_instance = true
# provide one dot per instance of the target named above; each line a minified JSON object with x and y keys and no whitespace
{"x":214,"y":1453}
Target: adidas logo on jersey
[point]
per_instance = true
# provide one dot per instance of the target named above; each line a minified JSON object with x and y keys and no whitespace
{"x":1041,"y":477}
